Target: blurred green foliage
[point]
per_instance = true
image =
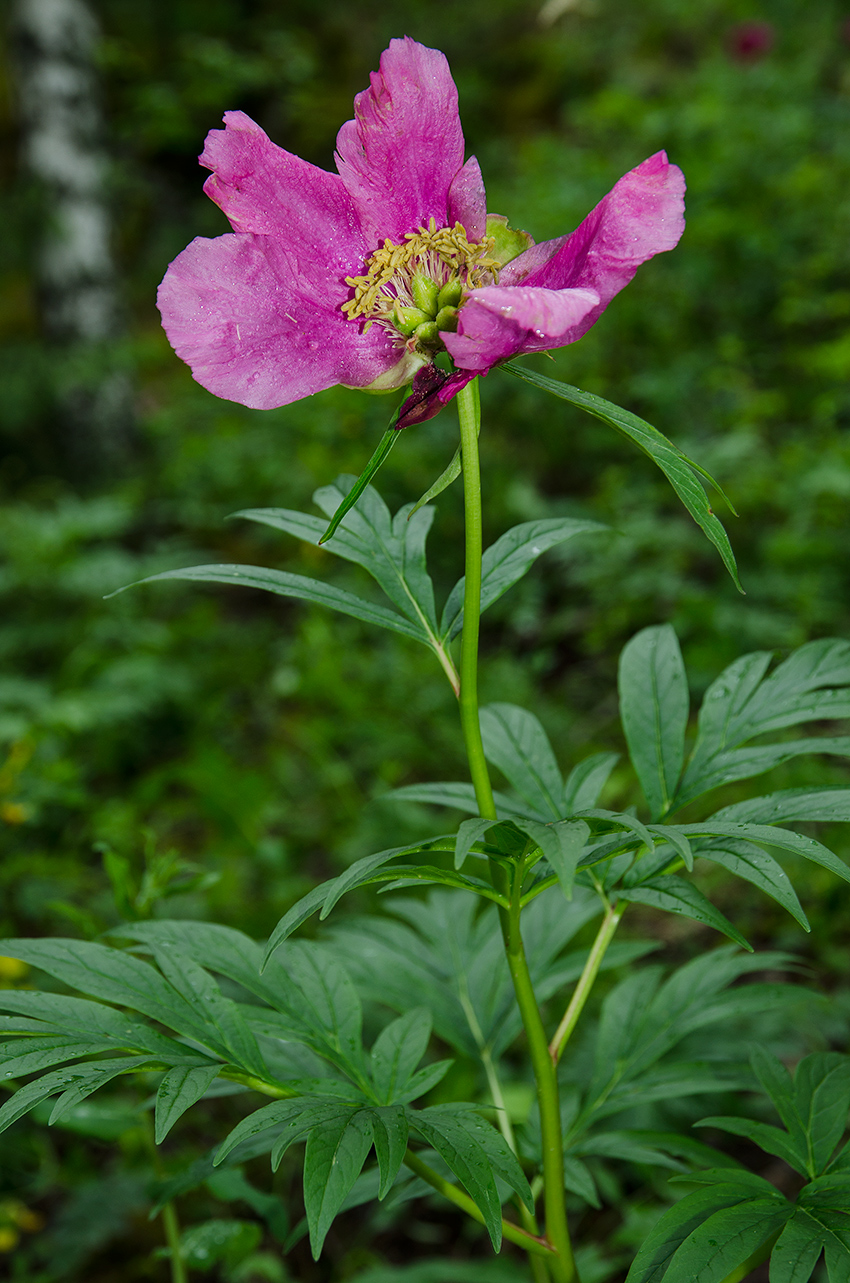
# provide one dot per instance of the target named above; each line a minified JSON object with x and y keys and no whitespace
{"x":221,"y":750}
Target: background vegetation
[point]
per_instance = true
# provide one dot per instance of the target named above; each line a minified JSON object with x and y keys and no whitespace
{"x":230,"y":748}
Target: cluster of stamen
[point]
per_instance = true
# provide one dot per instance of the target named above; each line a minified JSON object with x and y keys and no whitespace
{"x":416,"y":287}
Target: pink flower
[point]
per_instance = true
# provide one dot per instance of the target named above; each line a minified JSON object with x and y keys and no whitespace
{"x":364,"y":276}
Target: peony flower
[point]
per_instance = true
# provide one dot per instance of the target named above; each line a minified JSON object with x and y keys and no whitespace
{"x":366,"y":276}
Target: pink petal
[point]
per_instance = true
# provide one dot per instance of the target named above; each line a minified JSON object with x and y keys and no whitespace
{"x":399,"y":155}
{"x":432,"y":390}
{"x":253,"y":329}
{"x":496,"y":323}
{"x":266,"y":190}
{"x":468,"y":201}
{"x":641,"y":216}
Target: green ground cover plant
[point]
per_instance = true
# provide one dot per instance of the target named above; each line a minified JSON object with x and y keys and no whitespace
{"x":236,"y":757}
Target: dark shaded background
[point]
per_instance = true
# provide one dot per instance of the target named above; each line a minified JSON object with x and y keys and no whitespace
{"x":232,"y":747}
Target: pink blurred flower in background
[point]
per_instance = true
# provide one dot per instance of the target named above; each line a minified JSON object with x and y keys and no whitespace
{"x":750,"y":41}
{"x":366,"y":276}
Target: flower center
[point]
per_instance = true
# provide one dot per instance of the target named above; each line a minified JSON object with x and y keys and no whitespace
{"x":416,"y":287}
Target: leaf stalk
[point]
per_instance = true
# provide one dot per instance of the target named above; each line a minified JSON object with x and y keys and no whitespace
{"x":586,"y":980}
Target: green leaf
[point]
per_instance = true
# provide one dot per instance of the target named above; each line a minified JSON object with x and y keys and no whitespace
{"x":287,"y":585}
{"x":326,"y":896}
{"x":676,"y":466}
{"x":727,"y":1239}
{"x":822,"y":1101}
{"x":382,"y":449}
{"x":777,"y":1083}
{"x":234,"y":1038}
{"x":390,"y":1133}
{"x":578,"y":1179}
{"x":392,"y":551}
{"x":562,"y":844}
{"x":785,"y":839}
{"x":516,"y":743}
{"x":286,"y":1117}
{"x":334,"y":1157}
{"x":17,"y":1058}
{"x":442,"y":1129}
{"x":790,"y":804}
{"x":110,"y":975}
{"x":458,"y":796}
{"x":754,"y":865}
{"x":770,"y":1139}
{"x":675,"y":895}
{"x":654,"y":712}
{"x":506,"y":561}
{"x":671,"y":835}
{"x":468,"y":834}
{"x":75,"y":1083}
{"x":622,"y":821}
{"x":180,"y":1089}
{"x":587,"y":780}
{"x":397,"y":1051}
{"x":796,"y":1251}
{"x":203,"y":1247}
{"x":743,"y":703}
{"x":675,"y":1227}
{"x":444,"y":480}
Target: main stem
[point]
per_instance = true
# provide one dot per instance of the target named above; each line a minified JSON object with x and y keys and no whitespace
{"x":469,"y":413}
{"x":562,"y":1265}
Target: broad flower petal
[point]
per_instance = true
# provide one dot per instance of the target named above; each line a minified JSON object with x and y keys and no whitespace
{"x":468,"y":201}
{"x":496,"y":323}
{"x":400,"y":153}
{"x":240,"y":314}
{"x":268,"y":191}
{"x":641,"y":216}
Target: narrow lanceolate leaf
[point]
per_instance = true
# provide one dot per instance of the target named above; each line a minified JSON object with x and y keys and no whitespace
{"x":180,"y":1088}
{"x":785,"y":839}
{"x":754,"y":865}
{"x":449,"y":474}
{"x":675,"y":895}
{"x":467,"y":835}
{"x":517,"y":744}
{"x":825,"y":805}
{"x":676,"y":466}
{"x":743,"y":702}
{"x":76,"y":1078}
{"x":771,"y":1139}
{"x":286,"y":585}
{"x":112,"y":976}
{"x":797,"y":1249}
{"x":654,"y":712}
{"x":586,"y":781}
{"x":443,"y":1131}
{"x":389,"y":1135}
{"x":381,"y":451}
{"x":508,"y":559}
{"x":562,"y":844}
{"x":397,"y":1051}
{"x":727,"y":1239}
{"x":676,"y":1225}
{"x":778,"y":1085}
{"x":230,"y":1033}
{"x":822,"y":1101}
{"x":334,"y":1158}
{"x":459,"y":796}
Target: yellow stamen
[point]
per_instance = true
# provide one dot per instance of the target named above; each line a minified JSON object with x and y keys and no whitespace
{"x":442,"y":253}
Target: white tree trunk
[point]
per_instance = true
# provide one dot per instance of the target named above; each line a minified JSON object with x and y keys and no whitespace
{"x":61,"y":144}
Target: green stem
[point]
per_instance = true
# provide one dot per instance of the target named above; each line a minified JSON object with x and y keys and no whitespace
{"x":170,"y":1223}
{"x":510,"y":1231}
{"x":469,"y":413}
{"x":172,"y":1238}
{"x":586,"y":980}
{"x":557,"y":1231}
{"x":561,"y":1263}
